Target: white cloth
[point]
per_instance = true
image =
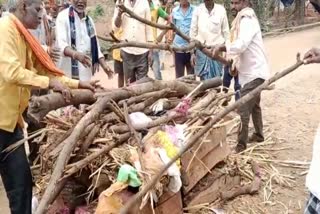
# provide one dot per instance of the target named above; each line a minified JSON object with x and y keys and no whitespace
{"x":211,"y":28}
{"x":133,"y":30}
{"x":249,"y":46}
{"x":83,"y":43}
{"x":313,"y":177}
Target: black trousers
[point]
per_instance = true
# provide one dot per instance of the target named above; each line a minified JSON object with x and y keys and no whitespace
{"x":182,"y":62}
{"x":15,"y":173}
{"x":118,"y":68}
{"x":251,"y":108}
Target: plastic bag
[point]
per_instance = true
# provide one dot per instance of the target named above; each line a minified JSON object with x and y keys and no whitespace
{"x":139,"y":119}
{"x":128,"y":174}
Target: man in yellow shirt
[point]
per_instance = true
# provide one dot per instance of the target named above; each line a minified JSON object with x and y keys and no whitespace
{"x":23,"y":65}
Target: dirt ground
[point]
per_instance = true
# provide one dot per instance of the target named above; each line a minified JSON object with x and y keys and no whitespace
{"x":291,"y":111}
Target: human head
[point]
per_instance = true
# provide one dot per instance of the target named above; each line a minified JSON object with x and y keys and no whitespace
{"x":238,"y":5}
{"x":79,"y":5}
{"x":29,"y":12}
{"x":184,"y":2}
{"x":47,"y":6}
{"x":209,"y":3}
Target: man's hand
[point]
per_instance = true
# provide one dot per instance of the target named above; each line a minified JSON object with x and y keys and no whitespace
{"x":215,"y":51}
{"x":84,"y":59}
{"x":109,"y":72}
{"x":57,"y":86}
{"x":193,"y":59}
{"x":54,"y":54}
{"x":106,"y":68}
{"x":312,"y":56}
{"x":91,"y":85}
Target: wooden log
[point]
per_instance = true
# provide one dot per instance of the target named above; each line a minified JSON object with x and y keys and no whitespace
{"x":75,"y":167}
{"x":251,"y":188}
{"x":204,"y":101}
{"x":56,"y":151}
{"x":179,"y":87}
{"x":40,"y":106}
{"x":64,"y":156}
{"x":89,"y":140}
{"x":208,"y":126}
{"x":137,"y":99}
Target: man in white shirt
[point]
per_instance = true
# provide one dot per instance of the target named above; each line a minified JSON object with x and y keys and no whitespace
{"x":246,"y":49}
{"x":313,"y":177}
{"x":135,"y":60}
{"x":210,"y":26}
{"x":77,"y":40}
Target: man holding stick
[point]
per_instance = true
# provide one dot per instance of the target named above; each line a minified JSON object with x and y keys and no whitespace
{"x":246,"y":49}
{"x":24,"y":65}
{"x":136,"y":61}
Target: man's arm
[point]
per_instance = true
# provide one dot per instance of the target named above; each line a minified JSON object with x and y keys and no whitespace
{"x":225,"y":27}
{"x":163,"y":14}
{"x":148,"y":29}
{"x":248,"y":30}
{"x":194,"y":24}
{"x":12,"y":71}
{"x":117,"y":17}
{"x":63,"y":42}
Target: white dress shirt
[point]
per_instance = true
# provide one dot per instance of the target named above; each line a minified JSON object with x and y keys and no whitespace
{"x":211,"y":28}
{"x":134,"y":30}
{"x":83,"y":43}
{"x":313,"y":177}
{"x":249,"y":46}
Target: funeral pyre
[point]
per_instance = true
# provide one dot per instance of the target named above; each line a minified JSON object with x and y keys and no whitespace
{"x":121,"y":139}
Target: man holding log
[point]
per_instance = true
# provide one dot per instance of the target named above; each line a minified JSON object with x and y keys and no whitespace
{"x":210,"y":26}
{"x":23,"y":65}
{"x":246,"y":49}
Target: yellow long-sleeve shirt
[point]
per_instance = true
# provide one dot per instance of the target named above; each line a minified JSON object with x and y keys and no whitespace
{"x":19,"y":72}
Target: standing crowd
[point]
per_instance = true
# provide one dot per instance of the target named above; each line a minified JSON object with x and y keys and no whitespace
{"x":53,"y":45}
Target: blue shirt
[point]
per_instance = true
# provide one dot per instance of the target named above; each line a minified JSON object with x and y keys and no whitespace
{"x":183,"y":22}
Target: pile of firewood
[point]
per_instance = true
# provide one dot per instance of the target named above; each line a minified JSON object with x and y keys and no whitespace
{"x":91,"y":143}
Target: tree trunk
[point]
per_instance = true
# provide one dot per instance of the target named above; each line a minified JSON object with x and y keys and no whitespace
{"x":39,"y":107}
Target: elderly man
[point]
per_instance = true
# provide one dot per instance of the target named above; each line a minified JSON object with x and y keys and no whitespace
{"x":135,"y":60}
{"x":23,"y":65}
{"x":181,"y":17}
{"x":249,"y":60}
{"x":210,"y":26}
{"x":76,"y":38}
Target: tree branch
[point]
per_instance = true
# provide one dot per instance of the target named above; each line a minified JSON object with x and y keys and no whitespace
{"x":202,"y":47}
